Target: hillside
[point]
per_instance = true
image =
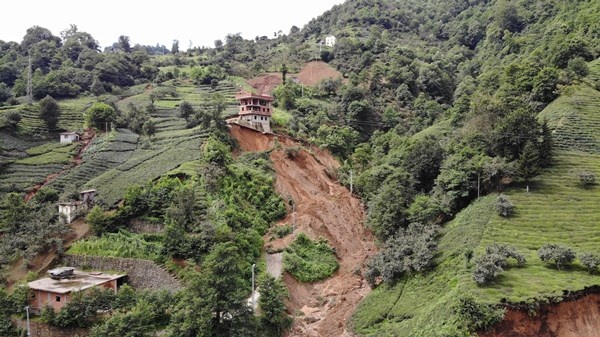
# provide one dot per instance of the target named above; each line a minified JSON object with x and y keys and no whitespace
{"x":466,"y":130}
{"x":324,"y":209}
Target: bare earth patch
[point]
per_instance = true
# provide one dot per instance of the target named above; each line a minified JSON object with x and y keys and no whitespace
{"x":323,"y":208}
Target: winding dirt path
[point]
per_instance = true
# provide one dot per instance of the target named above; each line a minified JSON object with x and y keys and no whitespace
{"x":323,"y":208}
{"x":86,"y":140}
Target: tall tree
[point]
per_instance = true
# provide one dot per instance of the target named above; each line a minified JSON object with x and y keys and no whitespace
{"x":528,"y":164}
{"x":97,"y":88}
{"x":175,"y":47}
{"x":49,"y":112}
{"x":123,"y":43}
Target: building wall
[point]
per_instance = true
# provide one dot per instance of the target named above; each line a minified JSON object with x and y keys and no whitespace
{"x":68,"y":138}
{"x":141,"y":274}
{"x":45,"y":298}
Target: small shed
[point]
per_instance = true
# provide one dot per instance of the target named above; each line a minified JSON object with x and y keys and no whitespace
{"x":68,"y":211}
{"x":87,"y":196}
{"x":69,"y":137}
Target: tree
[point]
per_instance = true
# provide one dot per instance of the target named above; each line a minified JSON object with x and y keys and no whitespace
{"x":97,"y":88}
{"x":284,"y":71}
{"x":507,"y":16}
{"x":149,"y":128}
{"x":273,"y":319}
{"x":215,"y":304}
{"x":5,"y":93}
{"x":175,"y":47}
{"x":49,"y":112}
{"x":528,"y":164}
{"x":97,"y":220}
{"x":186,"y":110}
{"x":578,"y":68}
{"x":558,"y":254}
{"x":123,"y":44}
{"x":99,"y":115}
{"x":503,"y":206}
{"x":544,"y":85}
{"x":590,"y":260}
{"x":493,"y":262}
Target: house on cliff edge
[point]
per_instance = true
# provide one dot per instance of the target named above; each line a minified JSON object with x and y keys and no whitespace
{"x":255,"y":111}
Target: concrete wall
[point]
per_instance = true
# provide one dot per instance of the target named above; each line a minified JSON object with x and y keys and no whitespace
{"x":141,"y":274}
{"x":39,"y":329}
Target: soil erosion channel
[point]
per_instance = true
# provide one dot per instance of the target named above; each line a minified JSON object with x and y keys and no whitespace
{"x":323,"y":208}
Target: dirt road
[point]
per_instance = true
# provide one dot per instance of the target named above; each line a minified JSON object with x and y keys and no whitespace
{"x":323,"y":208}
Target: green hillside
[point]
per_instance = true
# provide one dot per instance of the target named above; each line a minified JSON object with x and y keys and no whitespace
{"x":558,"y":209}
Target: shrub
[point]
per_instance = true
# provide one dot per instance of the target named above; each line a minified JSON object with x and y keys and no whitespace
{"x":503,"y":206}
{"x":586,"y":178}
{"x":590,"y":261}
{"x":308,"y":260}
{"x":411,"y":250}
{"x":493,"y":262}
{"x":478,"y":316}
{"x":557,"y":254}
{"x":282,"y":231}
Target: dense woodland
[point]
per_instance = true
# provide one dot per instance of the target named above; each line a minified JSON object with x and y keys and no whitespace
{"x":438,"y":106}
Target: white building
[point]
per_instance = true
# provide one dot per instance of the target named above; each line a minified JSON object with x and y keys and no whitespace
{"x":330,"y":41}
{"x":69,"y":137}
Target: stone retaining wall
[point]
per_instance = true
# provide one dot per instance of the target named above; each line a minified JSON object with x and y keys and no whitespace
{"x":141,"y":274}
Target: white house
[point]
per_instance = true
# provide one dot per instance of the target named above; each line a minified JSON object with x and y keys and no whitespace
{"x":69,"y":137}
{"x":330,"y":41}
{"x":68,"y":211}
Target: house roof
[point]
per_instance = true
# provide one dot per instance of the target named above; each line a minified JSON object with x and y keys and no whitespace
{"x":87,"y":191}
{"x":250,"y":95}
{"x":69,"y":133}
{"x":79,"y":281}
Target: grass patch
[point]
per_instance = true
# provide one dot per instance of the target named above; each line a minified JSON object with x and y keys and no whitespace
{"x":53,"y":154}
{"x":122,"y":244}
{"x":308,"y":260}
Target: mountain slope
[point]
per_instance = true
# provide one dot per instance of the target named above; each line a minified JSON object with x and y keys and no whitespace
{"x":323,"y":208}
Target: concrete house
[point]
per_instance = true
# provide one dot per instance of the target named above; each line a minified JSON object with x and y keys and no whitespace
{"x":69,"y":137}
{"x":330,"y":41}
{"x":255,"y":111}
{"x":69,"y":211}
{"x":55,"y":291}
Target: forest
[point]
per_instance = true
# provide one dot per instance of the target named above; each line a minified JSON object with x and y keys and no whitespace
{"x":445,"y":112}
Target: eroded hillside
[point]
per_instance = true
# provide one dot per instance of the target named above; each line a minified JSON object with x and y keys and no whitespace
{"x":323,"y":209}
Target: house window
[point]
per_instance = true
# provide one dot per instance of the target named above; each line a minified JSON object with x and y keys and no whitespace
{"x":57,"y":298}
{"x":254,"y":117}
{"x":242,"y":108}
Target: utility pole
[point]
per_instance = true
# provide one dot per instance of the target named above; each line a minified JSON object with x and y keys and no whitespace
{"x":351,"y":187}
{"x":28,"y":326}
{"x":478,"y":185}
{"x":253,"y":265}
{"x":29,"y":83}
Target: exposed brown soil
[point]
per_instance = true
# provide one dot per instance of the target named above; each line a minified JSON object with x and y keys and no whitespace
{"x":577,"y":318}
{"x":265,"y":83}
{"x":41,"y":263}
{"x":316,"y":71}
{"x":323,"y":208}
{"x":312,"y":73}
{"x":86,"y":140}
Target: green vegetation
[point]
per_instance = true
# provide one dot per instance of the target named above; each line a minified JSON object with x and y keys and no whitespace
{"x":121,"y":244}
{"x":309,"y":260}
